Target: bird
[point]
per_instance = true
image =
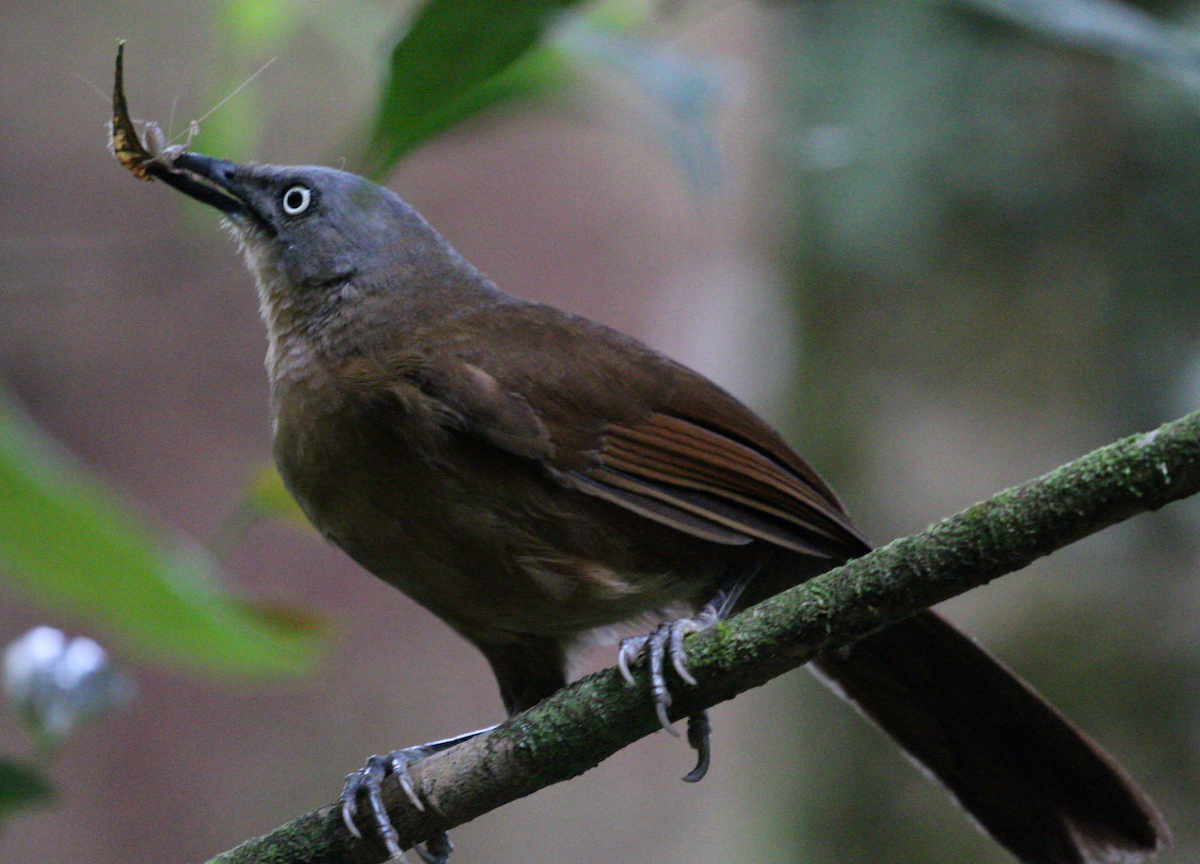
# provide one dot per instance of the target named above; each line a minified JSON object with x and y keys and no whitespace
{"x":535,"y":479}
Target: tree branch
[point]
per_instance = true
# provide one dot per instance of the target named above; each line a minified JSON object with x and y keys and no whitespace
{"x":585,"y":723}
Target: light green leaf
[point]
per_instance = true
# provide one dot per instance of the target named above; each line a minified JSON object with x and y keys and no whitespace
{"x":70,"y":542}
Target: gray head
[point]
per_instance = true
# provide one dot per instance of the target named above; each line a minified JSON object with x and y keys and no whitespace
{"x":323,"y":243}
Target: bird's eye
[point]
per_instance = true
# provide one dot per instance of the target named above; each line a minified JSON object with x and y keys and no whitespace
{"x":296,"y":200}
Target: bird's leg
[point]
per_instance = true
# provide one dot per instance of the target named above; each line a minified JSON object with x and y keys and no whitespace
{"x":666,"y":642}
{"x":368,"y":781}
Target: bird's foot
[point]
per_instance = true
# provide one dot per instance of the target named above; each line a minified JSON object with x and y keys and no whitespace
{"x":367,"y":782}
{"x":666,"y":642}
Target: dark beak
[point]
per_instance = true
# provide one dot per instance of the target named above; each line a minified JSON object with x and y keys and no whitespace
{"x":213,"y":181}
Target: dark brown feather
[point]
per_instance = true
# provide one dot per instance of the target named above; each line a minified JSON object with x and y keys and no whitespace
{"x":1022,"y":770}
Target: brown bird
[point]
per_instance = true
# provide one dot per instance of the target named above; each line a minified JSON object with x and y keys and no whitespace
{"x":534,"y":478}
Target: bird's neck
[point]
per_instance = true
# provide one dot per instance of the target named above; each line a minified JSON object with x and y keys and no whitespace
{"x":313,"y":331}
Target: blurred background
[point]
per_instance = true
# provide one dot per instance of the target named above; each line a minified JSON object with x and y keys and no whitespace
{"x":945,"y":246}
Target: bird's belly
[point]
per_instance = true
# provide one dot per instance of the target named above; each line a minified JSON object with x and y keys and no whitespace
{"x":493,"y":546}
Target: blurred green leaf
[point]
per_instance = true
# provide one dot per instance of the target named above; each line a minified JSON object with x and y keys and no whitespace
{"x":21,"y":786}
{"x":250,"y":31}
{"x":265,"y":498}
{"x":71,"y":542}
{"x":269,"y":498}
{"x":254,"y":22}
{"x":458,"y":57}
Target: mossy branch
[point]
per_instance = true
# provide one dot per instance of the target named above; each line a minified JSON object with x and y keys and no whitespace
{"x":585,"y":723}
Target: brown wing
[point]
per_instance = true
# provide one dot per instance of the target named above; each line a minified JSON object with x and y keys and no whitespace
{"x":616,"y":420}
{"x":709,"y":466}
{"x":706,"y":483}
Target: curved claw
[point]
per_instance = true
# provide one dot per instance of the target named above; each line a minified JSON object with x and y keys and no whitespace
{"x":699,"y":735}
{"x":660,"y":709}
{"x":398,"y":761}
{"x":679,"y":629}
{"x":627,"y":653}
{"x":349,"y":811}
{"x":437,"y":849}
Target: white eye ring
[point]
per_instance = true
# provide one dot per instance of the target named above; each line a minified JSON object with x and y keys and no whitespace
{"x":296,"y":200}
